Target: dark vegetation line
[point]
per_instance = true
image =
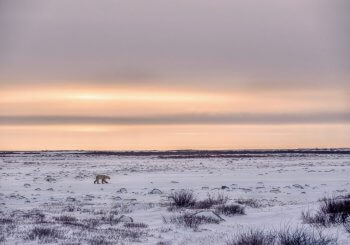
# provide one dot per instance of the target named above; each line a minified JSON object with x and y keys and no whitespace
{"x":193,"y":153}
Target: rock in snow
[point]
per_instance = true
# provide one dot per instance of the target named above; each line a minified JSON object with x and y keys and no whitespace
{"x":122,"y":190}
{"x":209,"y":215}
{"x":298,"y":186}
{"x":70,"y":199}
{"x":50,"y":179}
{"x":125,"y":219}
{"x":155,"y":191}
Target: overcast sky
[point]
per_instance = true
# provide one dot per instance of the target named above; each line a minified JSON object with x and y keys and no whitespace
{"x":191,"y":62}
{"x":228,"y":42}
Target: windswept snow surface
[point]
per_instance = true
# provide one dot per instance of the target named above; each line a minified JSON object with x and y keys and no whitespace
{"x":61,"y":183}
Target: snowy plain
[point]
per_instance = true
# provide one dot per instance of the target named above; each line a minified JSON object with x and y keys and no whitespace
{"x":36,"y":188}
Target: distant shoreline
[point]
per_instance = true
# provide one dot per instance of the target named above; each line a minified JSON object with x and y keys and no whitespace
{"x":193,"y":153}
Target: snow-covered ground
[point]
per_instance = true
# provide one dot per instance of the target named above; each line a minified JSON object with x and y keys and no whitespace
{"x":37,"y":188}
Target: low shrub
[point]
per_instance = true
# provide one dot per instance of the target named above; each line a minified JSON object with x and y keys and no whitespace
{"x":35,"y":215}
{"x":135,"y":225}
{"x":331,"y":211}
{"x":182,"y":199}
{"x":253,"y":237}
{"x":99,"y":240}
{"x":2,"y":238}
{"x":4,"y":221}
{"x":302,"y":236}
{"x":347,"y":226}
{"x":211,"y":200}
{"x":230,"y":210}
{"x":298,"y":236}
{"x":66,"y":219}
{"x":250,"y":202}
{"x":338,"y":210}
{"x":43,"y":233}
{"x":189,"y":220}
{"x":91,"y":222}
{"x":110,"y":219}
{"x":317,"y":219}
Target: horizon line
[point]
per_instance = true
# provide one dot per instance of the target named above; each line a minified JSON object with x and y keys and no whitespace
{"x":194,"y":150}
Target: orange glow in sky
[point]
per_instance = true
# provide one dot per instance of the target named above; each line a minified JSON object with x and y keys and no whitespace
{"x":143,"y":133}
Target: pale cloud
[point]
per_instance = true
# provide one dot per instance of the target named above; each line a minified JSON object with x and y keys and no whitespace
{"x":199,"y":42}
